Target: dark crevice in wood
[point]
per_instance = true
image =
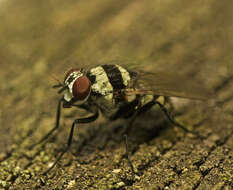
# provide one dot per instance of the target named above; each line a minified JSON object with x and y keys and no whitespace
{"x":29,"y":134}
{"x":198,"y":164}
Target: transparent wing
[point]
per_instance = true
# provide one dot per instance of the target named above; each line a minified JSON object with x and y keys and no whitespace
{"x":167,"y":84}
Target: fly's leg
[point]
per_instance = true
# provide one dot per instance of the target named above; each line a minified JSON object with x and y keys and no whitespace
{"x":140,"y":109}
{"x":128,"y":128}
{"x":150,"y":104}
{"x":69,"y":142}
{"x":143,"y":109}
{"x":165,"y":111}
{"x":53,"y":129}
{"x":127,"y":154}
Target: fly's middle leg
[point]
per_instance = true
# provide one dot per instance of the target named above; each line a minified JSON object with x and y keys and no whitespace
{"x":142,"y":109}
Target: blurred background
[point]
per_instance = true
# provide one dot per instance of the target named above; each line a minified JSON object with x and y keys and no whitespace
{"x":73,"y":32}
{"x":43,"y":38}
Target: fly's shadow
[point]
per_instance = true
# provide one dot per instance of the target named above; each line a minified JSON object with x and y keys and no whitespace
{"x":108,"y":135}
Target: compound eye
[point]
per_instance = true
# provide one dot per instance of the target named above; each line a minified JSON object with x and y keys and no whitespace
{"x":81,"y":88}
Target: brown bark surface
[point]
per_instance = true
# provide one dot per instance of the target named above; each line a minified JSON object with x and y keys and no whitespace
{"x":44,"y":38}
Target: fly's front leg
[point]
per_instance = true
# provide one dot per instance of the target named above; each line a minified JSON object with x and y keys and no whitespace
{"x":53,"y":129}
{"x":69,"y":142}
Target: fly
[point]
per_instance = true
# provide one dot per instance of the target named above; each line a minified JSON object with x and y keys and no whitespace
{"x":118,"y":92}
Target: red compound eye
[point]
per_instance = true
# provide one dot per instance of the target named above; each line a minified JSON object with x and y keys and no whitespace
{"x":71,"y":71}
{"x":81,"y":88}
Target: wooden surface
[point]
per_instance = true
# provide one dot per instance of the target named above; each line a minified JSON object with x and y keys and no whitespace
{"x":43,"y":38}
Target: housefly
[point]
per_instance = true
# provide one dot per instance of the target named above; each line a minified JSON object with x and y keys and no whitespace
{"x":119,"y":92}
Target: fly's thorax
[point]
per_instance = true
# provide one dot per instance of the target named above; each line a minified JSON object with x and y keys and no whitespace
{"x":107,"y":82}
{"x":78,"y":86}
{"x":102,"y":90}
{"x":101,"y":84}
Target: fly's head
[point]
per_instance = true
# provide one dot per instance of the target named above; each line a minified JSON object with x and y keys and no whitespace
{"x":76,"y":87}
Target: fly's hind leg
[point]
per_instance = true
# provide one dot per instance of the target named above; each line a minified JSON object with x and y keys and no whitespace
{"x":175,"y":123}
{"x":142,"y":109}
{"x":156,"y":101}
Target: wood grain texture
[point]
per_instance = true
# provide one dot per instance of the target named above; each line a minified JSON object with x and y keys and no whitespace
{"x":44,"y":38}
